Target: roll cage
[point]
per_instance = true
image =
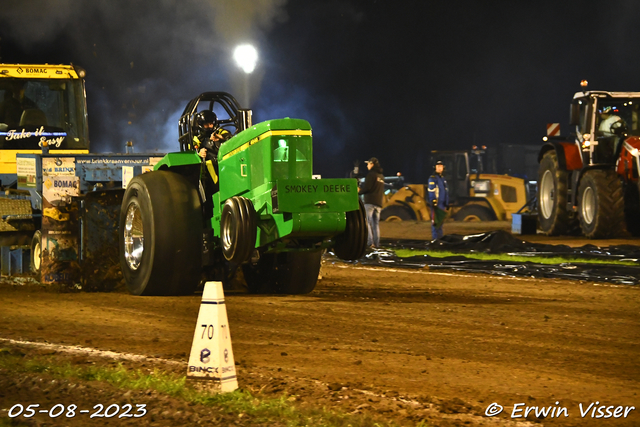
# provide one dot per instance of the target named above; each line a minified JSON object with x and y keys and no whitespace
{"x":230,"y":116}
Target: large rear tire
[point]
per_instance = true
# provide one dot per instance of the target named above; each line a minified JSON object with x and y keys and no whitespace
{"x":161,"y":235}
{"x":238,"y":229}
{"x":284,"y":273}
{"x":601,"y":204}
{"x":553,"y":216}
{"x":397,"y":213}
{"x":352,"y":243}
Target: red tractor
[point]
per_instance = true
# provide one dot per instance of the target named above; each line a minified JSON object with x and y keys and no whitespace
{"x":589,"y":181}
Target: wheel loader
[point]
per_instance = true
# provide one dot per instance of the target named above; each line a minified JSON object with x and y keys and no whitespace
{"x":473,"y":195}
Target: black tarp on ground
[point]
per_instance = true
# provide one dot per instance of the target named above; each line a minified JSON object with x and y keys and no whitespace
{"x":503,"y":242}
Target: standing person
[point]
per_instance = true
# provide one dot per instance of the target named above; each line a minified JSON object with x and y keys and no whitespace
{"x":439,"y":198}
{"x":373,"y":191}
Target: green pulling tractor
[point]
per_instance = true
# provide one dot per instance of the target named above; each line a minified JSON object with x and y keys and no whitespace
{"x":265,"y":216}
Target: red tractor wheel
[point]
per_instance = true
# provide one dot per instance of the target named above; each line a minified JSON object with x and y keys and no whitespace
{"x":553,"y":215}
{"x":601,"y":204}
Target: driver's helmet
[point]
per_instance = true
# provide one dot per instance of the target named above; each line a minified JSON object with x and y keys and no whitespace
{"x":608,"y":110}
{"x":202,"y":122}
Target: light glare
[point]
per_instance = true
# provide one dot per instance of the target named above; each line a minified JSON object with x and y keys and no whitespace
{"x":246,"y":56}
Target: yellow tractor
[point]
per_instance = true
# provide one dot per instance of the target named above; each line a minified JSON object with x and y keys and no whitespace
{"x":473,"y":195}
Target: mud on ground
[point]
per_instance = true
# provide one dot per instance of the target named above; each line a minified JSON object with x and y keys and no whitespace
{"x":403,"y":346}
{"x":406,"y":345}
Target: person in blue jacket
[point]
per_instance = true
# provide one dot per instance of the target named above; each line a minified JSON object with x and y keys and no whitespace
{"x":438,"y":195}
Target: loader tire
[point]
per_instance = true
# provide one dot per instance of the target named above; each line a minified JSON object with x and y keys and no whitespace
{"x":238,"y":229}
{"x":161,"y":235}
{"x":291,"y":273}
{"x":553,"y":217}
{"x":36,"y":254}
{"x":397,"y":213}
{"x":352,"y":243}
{"x":474,"y":213}
{"x":601,"y":204}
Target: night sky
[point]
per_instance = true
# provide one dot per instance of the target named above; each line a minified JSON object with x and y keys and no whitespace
{"x":390,"y":79}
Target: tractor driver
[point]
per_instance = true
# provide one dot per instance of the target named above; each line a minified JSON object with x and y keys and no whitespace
{"x":611,"y":125}
{"x":610,"y":122}
{"x":208,"y":141}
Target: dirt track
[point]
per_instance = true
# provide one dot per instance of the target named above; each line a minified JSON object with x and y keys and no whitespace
{"x":407,"y":346}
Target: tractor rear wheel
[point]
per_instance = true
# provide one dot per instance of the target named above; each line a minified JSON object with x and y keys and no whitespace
{"x":352,"y":243}
{"x":238,"y":229}
{"x":284,"y":273}
{"x":473,"y":213}
{"x":397,"y":213}
{"x":161,"y":235}
{"x":553,"y":216}
{"x":601,"y":204}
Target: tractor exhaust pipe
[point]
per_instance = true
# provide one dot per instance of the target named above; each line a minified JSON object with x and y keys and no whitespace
{"x":245,"y":116}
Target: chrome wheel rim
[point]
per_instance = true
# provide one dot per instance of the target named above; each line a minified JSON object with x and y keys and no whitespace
{"x":588,"y":205}
{"x":37,"y":255}
{"x":547,"y":194}
{"x":228,"y":231}
{"x":133,"y":237}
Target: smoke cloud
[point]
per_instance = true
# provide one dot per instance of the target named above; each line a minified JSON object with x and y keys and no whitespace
{"x":144,"y":60}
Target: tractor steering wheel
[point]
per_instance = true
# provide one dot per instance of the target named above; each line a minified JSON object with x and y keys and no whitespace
{"x":619,"y":128}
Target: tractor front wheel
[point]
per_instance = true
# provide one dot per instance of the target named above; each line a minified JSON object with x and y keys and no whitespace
{"x":552,"y":196}
{"x":601,"y":203}
{"x":161,"y":235}
{"x":238,"y":229}
{"x":284,"y":273}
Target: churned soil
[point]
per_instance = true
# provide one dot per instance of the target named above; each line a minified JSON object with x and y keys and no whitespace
{"x":404,"y":346}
